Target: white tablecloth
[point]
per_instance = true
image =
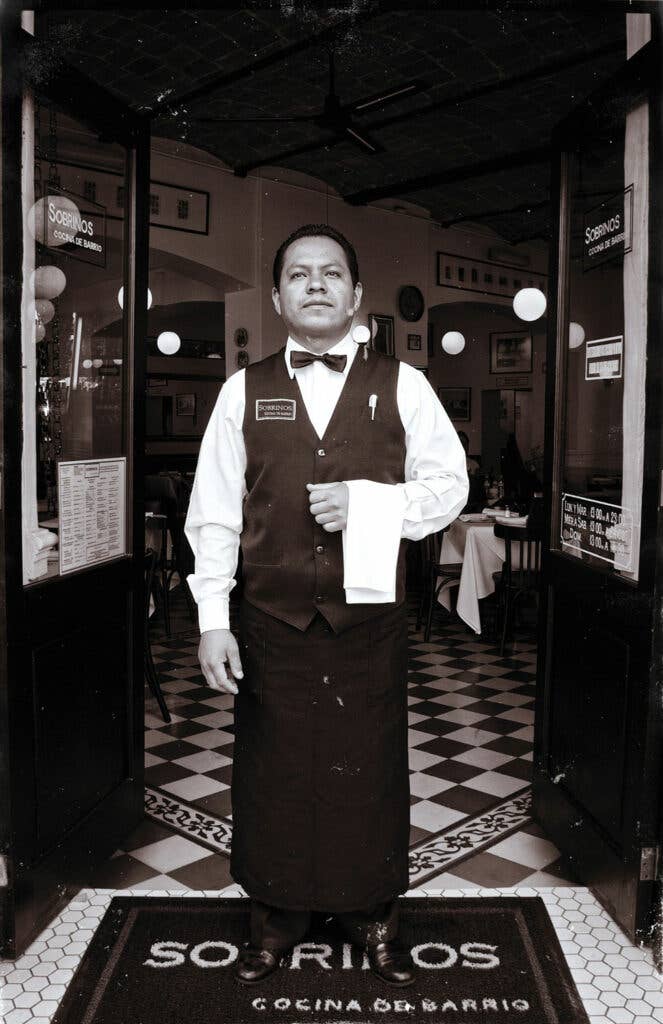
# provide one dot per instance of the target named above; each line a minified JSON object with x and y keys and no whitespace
{"x":482,"y":554}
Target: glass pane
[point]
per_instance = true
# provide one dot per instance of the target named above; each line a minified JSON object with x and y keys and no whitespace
{"x":604,"y":390}
{"x":74,"y":458}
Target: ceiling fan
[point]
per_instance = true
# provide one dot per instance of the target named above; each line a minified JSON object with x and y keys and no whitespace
{"x":337,"y":117}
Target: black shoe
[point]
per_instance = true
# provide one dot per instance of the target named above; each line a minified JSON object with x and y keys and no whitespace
{"x":391,"y":962}
{"x":254,"y":964}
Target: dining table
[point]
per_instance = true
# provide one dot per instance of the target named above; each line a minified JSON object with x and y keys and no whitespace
{"x":471,"y":541}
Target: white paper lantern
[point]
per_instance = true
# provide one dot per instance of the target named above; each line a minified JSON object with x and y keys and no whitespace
{"x":453,"y":342}
{"x":120,"y":298}
{"x":576,"y":335}
{"x":361,"y":334}
{"x":529,"y":304}
{"x":97,"y":363}
{"x":168,"y":342}
{"x":52,"y":218}
{"x":87,"y":364}
{"x":47,"y":282}
{"x":118,"y":362}
{"x":40,"y":332}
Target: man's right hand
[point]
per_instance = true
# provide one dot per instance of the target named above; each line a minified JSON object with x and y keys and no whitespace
{"x":218,"y":646}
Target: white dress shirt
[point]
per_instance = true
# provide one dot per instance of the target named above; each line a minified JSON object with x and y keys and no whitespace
{"x":434,"y":492}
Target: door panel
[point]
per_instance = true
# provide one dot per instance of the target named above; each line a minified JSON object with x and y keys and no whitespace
{"x":72,"y":684}
{"x":597,"y":771}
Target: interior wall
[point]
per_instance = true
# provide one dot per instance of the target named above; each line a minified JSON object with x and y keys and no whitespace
{"x":471,"y":367}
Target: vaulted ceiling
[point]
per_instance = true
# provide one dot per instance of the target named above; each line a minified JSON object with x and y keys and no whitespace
{"x":469,"y":142}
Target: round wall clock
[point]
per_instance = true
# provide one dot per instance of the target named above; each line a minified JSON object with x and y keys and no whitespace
{"x":411,"y":303}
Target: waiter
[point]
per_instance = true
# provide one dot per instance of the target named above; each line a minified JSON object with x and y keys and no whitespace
{"x":319,"y":459}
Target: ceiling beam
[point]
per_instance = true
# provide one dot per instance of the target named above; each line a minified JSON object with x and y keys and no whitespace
{"x":169,"y":105}
{"x":495,"y":85}
{"x":487,"y":214}
{"x":506,"y":162}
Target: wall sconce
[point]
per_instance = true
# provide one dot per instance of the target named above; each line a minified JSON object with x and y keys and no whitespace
{"x":529,"y":304}
{"x":453,"y":343}
{"x":168,"y":343}
{"x":576,"y":335}
{"x":120,"y":298}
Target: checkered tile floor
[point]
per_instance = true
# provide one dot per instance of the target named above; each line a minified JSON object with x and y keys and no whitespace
{"x":470,"y":738}
{"x":472,"y":833}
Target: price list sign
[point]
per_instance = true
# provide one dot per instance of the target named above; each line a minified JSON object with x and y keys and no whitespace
{"x":91,"y":494}
{"x":597,"y":528}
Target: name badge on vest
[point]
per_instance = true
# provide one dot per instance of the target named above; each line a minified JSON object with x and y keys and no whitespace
{"x":276,"y":408}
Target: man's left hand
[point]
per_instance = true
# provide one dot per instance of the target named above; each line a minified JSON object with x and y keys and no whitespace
{"x":329,"y":505}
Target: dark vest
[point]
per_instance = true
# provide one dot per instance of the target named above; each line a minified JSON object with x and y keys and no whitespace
{"x":292,"y":567}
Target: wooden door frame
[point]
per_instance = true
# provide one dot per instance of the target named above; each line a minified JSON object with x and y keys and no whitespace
{"x":91,"y":105}
{"x":644,"y":68}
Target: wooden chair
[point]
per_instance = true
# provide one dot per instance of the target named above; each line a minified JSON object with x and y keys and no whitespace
{"x":151,"y":673}
{"x":161,"y":498}
{"x":434,"y":577}
{"x":520,"y":576}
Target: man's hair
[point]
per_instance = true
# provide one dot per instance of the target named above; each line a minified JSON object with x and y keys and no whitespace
{"x":316,"y":231}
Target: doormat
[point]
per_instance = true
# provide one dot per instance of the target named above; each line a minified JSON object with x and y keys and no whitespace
{"x":170,"y":961}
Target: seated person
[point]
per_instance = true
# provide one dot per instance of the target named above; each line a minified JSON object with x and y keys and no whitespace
{"x":476,"y":497}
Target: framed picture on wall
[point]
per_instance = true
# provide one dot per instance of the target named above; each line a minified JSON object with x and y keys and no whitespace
{"x":511,"y":352}
{"x":185,"y":405}
{"x":381,"y":327}
{"x":457,"y":402}
{"x":414,"y":342}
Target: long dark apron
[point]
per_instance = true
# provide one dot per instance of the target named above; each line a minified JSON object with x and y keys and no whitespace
{"x":320,"y":787}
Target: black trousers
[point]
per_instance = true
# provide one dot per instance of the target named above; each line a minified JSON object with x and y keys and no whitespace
{"x":277,"y":929}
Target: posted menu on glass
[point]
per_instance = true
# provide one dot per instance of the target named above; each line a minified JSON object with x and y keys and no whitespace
{"x":91,"y":496}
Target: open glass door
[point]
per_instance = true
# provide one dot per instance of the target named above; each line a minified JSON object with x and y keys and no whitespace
{"x":597,"y":769}
{"x":75,"y":169}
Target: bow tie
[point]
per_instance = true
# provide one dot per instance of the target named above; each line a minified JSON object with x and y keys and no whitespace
{"x":299,"y":358}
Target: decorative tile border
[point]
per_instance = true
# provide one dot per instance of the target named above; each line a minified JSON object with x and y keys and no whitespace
{"x":438,"y":853}
{"x":431,"y":856}
{"x":201,"y":828}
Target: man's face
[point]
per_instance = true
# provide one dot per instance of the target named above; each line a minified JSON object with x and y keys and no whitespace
{"x":316,"y":298}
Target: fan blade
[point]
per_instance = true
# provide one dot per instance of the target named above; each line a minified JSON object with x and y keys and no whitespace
{"x":390,"y":96}
{"x":362,"y":140}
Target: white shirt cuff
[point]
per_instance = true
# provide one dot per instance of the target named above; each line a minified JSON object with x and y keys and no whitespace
{"x":371,"y":541}
{"x":213,"y":613}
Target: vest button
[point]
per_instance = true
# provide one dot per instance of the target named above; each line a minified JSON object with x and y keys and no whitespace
{"x":320,"y":548}
{"x":321,"y":451}
{"x":319,"y":598}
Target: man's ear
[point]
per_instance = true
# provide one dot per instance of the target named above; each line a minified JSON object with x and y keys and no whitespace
{"x":276,"y":299}
{"x":359,"y":291}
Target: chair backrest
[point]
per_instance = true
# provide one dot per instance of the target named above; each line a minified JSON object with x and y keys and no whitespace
{"x":522,"y":563}
{"x":432,"y":547}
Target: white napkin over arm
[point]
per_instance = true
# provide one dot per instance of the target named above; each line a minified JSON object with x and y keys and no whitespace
{"x":371,"y":541}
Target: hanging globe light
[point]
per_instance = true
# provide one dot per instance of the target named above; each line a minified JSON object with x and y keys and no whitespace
{"x":87,"y":364}
{"x":120,"y":298}
{"x":40,"y":332}
{"x":576,"y":335}
{"x":52,"y":218}
{"x":97,"y":363}
{"x":47,"y":282}
{"x":529,"y":304}
{"x":453,"y":343}
{"x":168,"y":342}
